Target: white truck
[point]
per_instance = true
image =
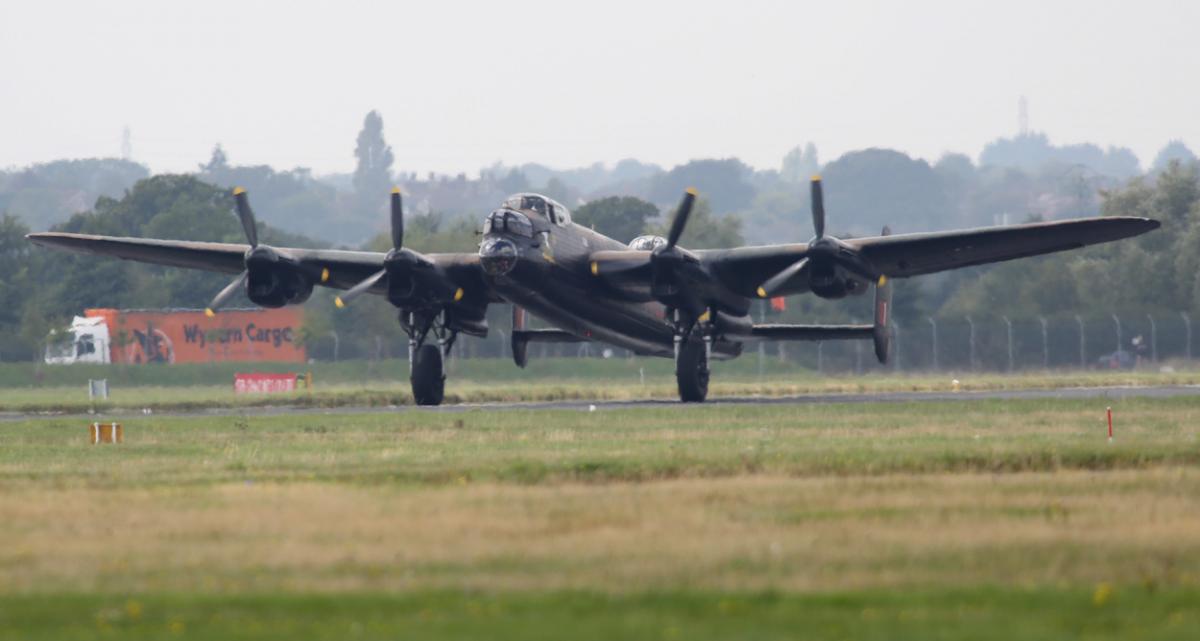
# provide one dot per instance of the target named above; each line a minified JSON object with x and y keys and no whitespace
{"x":85,"y":341}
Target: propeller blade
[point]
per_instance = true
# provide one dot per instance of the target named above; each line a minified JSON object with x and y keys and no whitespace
{"x":225,"y":294}
{"x":767,"y":289}
{"x":359,"y":289}
{"x":397,"y":219}
{"x":818,"y":207}
{"x":681,"y":217}
{"x":246,"y":215}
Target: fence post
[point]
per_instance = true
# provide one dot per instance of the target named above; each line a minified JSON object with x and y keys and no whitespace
{"x":933,"y":325}
{"x":820,"y":357}
{"x":336,"y":345}
{"x":1187,"y":327}
{"x":762,"y":345}
{"x":971,"y":339}
{"x":1117,"y":321}
{"x":1153,"y":339}
{"x":1082,"y":343}
{"x":1008,"y":326}
{"x":858,"y":357}
{"x":1045,"y":344}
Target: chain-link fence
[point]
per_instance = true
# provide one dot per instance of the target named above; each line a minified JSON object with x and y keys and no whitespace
{"x":939,"y":343}
{"x":1001,"y":343}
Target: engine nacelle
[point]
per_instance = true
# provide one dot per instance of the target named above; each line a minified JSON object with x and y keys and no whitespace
{"x":831,"y":282}
{"x":278,"y":287}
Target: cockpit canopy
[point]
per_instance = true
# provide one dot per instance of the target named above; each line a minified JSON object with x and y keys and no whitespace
{"x":540,"y":205}
{"x":508,"y":221}
{"x":647,"y":243}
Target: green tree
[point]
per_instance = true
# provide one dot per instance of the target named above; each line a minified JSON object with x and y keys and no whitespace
{"x":619,"y":217}
{"x":800,"y":164}
{"x":704,"y":230}
{"x":373,"y":173}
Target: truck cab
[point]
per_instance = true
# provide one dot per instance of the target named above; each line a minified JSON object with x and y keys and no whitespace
{"x":85,"y":341}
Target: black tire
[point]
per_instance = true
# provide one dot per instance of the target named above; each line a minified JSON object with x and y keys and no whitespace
{"x":428,"y":376}
{"x":691,"y":373}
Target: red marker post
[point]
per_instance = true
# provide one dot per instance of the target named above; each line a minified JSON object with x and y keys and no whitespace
{"x":1109,"y":412}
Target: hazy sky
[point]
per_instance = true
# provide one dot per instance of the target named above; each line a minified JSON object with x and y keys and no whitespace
{"x":462,"y":85}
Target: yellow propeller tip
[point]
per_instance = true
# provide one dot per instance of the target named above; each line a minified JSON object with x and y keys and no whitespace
{"x":238,"y":191}
{"x":325,"y":275}
{"x":595,"y":268}
{"x":209,"y":312}
{"x":882,"y":280}
{"x":339,"y":302}
{"x":762,"y":293}
{"x":816,"y":178}
{"x":395,"y":190}
{"x":458,"y":294}
{"x":692,"y":191}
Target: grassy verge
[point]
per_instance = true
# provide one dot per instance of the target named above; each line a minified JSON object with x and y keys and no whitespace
{"x":475,"y":383}
{"x":985,"y":520}
{"x":639,"y":444}
{"x":985,"y":614}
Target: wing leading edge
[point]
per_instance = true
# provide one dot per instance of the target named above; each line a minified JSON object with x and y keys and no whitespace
{"x":345,"y":268}
{"x":744,"y":269}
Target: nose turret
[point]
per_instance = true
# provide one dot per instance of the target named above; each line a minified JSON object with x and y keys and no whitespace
{"x":498,"y":256}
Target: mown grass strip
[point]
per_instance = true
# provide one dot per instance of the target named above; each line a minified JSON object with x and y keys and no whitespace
{"x":1099,"y":613}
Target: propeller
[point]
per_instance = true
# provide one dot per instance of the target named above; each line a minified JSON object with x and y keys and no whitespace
{"x":404,"y":269}
{"x":250,"y":227}
{"x":397,"y":210}
{"x":824,"y":251}
{"x":665,"y":261}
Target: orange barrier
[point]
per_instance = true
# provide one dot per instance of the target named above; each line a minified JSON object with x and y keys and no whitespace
{"x":106,"y":433}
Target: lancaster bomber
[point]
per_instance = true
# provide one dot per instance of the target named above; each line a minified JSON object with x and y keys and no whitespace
{"x":651,"y":296}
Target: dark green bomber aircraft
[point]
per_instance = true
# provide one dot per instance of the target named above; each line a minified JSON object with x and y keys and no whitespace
{"x":651,"y":296}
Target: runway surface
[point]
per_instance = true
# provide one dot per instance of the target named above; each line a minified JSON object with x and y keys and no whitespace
{"x":1100,"y":393}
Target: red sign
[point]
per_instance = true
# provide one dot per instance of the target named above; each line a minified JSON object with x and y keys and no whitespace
{"x":261,"y":383}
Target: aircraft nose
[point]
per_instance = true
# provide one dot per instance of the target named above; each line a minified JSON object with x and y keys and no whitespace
{"x":498,"y":256}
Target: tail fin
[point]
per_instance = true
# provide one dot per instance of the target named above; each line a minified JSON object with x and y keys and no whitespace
{"x":883,"y":309}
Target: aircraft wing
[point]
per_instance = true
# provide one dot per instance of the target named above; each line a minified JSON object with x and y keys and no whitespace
{"x":346,"y":268}
{"x":903,"y":255}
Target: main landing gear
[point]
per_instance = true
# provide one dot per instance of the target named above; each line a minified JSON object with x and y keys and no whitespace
{"x":693,"y":349}
{"x":427,"y":361}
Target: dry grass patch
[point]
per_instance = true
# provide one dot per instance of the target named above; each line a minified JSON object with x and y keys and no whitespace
{"x":1030,"y":529}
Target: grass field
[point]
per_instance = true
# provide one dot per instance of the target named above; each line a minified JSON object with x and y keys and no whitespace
{"x":981,"y":519}
{"x":365,"y":383}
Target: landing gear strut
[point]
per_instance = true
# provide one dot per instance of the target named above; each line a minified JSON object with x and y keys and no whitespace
{"x":426,"y":361}
{"x":693,"y":347}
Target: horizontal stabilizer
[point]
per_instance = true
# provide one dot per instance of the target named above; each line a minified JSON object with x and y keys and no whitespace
{"x":813,"y":332}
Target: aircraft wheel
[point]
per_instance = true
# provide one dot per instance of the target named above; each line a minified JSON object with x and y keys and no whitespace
{"x":691,"y":373}
{"x":428,"y":376}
